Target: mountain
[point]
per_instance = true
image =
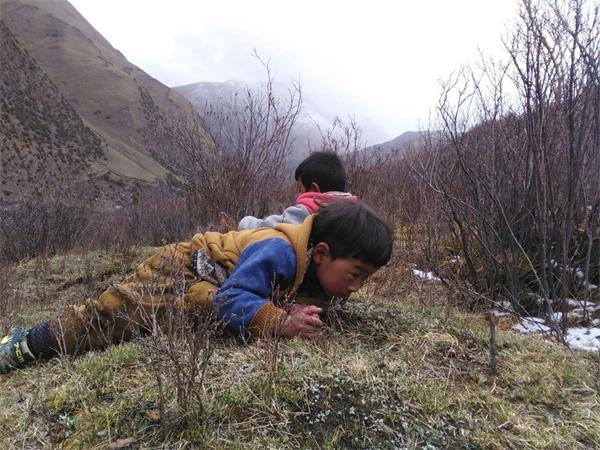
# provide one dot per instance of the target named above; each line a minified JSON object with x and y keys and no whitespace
{"x":400,"y":144}
{"x":306,"y":134}
{"x":206,"y":96}
{"x":67,"y":77}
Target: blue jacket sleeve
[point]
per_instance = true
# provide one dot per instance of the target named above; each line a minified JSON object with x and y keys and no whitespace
{"x":261,"y":267}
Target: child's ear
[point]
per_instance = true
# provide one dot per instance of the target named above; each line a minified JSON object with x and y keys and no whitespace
{"x":321,"y":252}
{"x":314,"y":187}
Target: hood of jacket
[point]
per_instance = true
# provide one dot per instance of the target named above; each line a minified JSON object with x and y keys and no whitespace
{"x":312,"y":201}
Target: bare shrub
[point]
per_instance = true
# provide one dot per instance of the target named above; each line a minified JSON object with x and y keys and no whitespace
{"x":48,"y":226}
{"x":386,"y":180}
{"x":156,"y":216}
{"x":41,"y":226}
{"x":180,"y":338}
{"x":244,"y":171}
{"x":180,"y":347}
{"x":517,"y":168}
{"x":10,"y":298}
{"x":362,"y":167}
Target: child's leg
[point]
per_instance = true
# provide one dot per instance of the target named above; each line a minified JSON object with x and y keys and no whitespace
{"x":162,"y":282}
{"x":122,"y":311}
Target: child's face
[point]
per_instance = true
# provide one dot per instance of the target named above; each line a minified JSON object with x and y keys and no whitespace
{"x":339,"y":277}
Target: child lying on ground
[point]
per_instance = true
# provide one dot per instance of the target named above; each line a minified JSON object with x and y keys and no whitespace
{"x":242,"y":275}
{"x":321,"y":179}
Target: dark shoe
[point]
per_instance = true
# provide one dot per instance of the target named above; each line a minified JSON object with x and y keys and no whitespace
{"x":14,"y":351}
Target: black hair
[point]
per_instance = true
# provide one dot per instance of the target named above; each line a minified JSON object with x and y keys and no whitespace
{"x":353,"y":230}
{"x":324,"y":168}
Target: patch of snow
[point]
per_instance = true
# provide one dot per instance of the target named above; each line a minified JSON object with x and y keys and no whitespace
{"x":580,"y":338}
{"x":574,"y":302}
{"x":583,"y":338}
{"x":579,"y":305}
{"x":504,"y":309}
{"x":557,"y":317}
{"x":575,"y":271}
{"x":591,"y":307}
{"x":424,"y":275}
{"x":506,"y":305}
{"x":531,"y":325}
{"x":576,"y":312}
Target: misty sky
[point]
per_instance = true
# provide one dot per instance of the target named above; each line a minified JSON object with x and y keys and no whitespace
{"x":376,"y":59}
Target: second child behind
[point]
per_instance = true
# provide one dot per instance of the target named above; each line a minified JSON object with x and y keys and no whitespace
{"x":321,"y":179}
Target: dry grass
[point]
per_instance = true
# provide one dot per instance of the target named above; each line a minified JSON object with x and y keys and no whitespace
{"x":388,"y":373}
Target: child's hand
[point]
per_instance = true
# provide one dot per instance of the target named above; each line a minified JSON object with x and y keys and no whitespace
{"x":302,"y":321}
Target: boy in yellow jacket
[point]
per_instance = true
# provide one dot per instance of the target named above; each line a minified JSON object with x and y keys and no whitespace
{"x":242,"y":275}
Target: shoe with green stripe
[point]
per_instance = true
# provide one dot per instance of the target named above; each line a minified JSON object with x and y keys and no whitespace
{"x":14,"y":351}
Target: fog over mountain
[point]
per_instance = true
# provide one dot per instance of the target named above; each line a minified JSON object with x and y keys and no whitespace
{"x":381,"y":60}
{"x":404,"y":142}
{"x":315,"y":115}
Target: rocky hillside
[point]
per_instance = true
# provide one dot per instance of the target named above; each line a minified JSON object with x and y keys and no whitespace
{"x":92,"y":84}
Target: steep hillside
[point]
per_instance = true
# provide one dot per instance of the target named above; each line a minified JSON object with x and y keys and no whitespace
{"x":44,"y":141}
{"x":115,"y":99}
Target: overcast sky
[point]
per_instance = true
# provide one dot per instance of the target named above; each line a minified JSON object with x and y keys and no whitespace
{"x":377,"y":59}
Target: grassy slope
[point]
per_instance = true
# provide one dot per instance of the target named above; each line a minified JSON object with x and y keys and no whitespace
{"x":387,"y":374}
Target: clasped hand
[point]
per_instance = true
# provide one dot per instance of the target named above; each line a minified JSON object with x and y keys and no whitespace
{"x":302,"y":321}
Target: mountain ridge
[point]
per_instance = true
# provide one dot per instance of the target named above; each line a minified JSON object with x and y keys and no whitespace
{"x":105,"y":90}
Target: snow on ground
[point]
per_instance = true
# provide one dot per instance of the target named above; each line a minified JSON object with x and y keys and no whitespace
{"x":577,"y":337}
{"x":532,"y":325}
{"x":504,"y":309}
{"x":580,"y":304}
{"x":575,"y":313}
{"x":583,"y":338}
{"x":423,"y":275}
{"x":573,"y":302}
